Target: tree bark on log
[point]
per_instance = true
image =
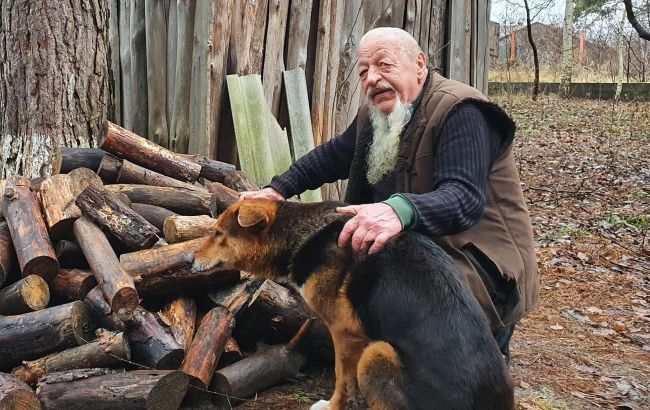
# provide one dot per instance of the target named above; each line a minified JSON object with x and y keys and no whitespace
{"x":28,"y":232}
{"x":58,"y":194}
{"x":131,"y":173}
{"x":101,"y":311}
{"x":16,"y":395}
{"x":105,"y":351}
{"x":169,"y":268}
{"x":235,"y":298}
{"x":184,"y":228}
{"x":275,"y":314}
{"x":68,"y":158}
{"x":109,"y":168}
{"x":128,"y":145}
{"x":27,"y":295}
{"x":116,"y":284}
{"x":180,"y":316}
{"x":152,"y":343}
{"x":208,"y":344}
{"x":193,"y":202}
{"x":35,"y":334}
{"x":125,"y":224}
{"x":72,"y":284}
{"x":70,"y":255}
{"x":224,"y":196}
{"x":156,"y":215}
{"x":138,"y":389}
{"x":7,"y":253}
{"x":55,"y":84}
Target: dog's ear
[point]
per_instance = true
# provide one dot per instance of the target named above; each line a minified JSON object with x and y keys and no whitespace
{"x":250,"y":215}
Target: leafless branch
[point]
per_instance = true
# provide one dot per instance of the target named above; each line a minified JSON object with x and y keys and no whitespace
{"x":643,"y":33}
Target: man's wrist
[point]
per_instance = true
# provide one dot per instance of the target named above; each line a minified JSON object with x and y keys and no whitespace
{"x":404,"y":210}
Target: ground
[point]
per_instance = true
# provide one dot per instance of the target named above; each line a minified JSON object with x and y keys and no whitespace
{"x":585,"y":170}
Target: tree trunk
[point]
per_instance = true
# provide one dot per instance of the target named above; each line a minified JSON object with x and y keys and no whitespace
{"x":529,"y":29}
{"x":180,"y":200}
{"x":72,"y":284}
{"x":16,"y":395}
{"x":184,"y":228}
{"x":567,"y":49}
{"x":131,"y":173}
{"x":27,"y":295}
{"x":54,"y":88}
{"x":621,"y":51}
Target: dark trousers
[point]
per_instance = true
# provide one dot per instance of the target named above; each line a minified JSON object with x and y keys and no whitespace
{"x":502,"y":338}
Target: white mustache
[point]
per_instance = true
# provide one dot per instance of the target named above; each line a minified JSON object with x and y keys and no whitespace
{"x":372,"y":91}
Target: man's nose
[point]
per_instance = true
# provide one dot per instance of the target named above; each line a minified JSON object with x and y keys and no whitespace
{"x":373,"y":77}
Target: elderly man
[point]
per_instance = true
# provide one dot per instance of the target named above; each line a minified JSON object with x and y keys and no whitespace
{"x":432,"y":155}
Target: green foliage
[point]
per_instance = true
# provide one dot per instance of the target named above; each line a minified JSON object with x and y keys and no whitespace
{"x":603,"y":8}
{"x":638,"y":222}
{"x":302,"y":396}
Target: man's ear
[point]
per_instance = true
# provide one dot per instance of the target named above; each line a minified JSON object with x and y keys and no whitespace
{"x":421,"y":61}
{"x":250,"y":215}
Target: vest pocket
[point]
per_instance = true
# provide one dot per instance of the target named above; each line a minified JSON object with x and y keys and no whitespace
{"x":502,"y":289}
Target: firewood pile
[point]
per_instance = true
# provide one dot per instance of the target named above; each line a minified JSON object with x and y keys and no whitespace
{"x":100,"y":306}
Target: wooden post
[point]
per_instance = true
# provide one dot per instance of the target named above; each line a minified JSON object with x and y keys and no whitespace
{"x":125,"y":224}
{"x":68,"y":158}
{"x":105,"y":351}
{"x":116,"y":284}
{"x":208,"y":344}
{"x":154,"y":214}
{"x":7,"y":253}
{"x":27,"y":295}
{"x":101,"y":311}
{"x":15,"y":394}
{"x":193,"y":202}
{"x":94,"y":389}
{"x":28,"y":232}
{"x":180,"y":315}
{"x":72,"y":284}
{"x":131,"y":173}
{"x":109,"y":168}
{"x":58,"y":194}
{"x":128,"y":145}
{"x":35,"y":334}
{"x":183,"y":228}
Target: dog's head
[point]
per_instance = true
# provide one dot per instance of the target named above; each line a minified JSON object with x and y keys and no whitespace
{"x":241,"y":239}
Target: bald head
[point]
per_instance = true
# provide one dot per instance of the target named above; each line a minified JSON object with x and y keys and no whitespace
{"x":394,"y":35}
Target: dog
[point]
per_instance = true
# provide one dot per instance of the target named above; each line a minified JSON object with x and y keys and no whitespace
{"x":407,"y":332}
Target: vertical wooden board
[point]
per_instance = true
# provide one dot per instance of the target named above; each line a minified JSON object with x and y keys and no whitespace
{"x":470,"y":46}
{"x":348,"y":92}
{"x":320,"y":71}
{"x":438,"y":34}
{"x":247,"y":37}
{"x":299,"y":25}
{"x":125,"y":63}
{"x":334,"y":54}
{"x":139,"y":98}
{"x":114,"y":39}
{"x":278,"y":144}
{"x":392,"y":13}
{"x":372,"y":13}
{"x":483,"y":44}
{"x":240,"y":125}
{"x":425,"y":25}
{"x":156,"y":49}
{"x":302,"y":140}
{"x":274,"y":53}
{"x":172,"y":49}
{"x":410,"y":18}
{"x":456,"y":51}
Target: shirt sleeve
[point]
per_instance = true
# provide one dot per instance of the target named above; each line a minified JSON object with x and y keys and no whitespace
{"x":328,"y":162}
{"x":461,"y":166}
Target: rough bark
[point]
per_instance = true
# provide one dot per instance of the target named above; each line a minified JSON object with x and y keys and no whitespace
{"x":28,"y":232}
{"x":567,"y":49}
{"x":184,"y":228}
{"x":108,"y":350}
{"x":131,"y":173}
{"x":224,"y":196}
{"x":109,"y":168}
{"x":193,"y":202}
{"x":54,"y":90}
{"x":68,"y":158}
{"x":641,"y":31}
{"x":138,"y":389}
{"x":7,"y":253}
{"x":101,"y":311}
{"x":180,"y":315}
{"x":235,"y":298}
{"x":16,"y":395}
{"x":156,"y":215}
{"x":72,"y":284}
{"x":27,"y":295}
{"x":35,"y":334}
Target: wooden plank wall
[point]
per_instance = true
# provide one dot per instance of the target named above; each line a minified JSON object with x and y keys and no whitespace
{"x":174,"y":56}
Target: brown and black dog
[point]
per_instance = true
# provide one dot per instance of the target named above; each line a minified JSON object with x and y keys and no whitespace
{"x":407,"y":332}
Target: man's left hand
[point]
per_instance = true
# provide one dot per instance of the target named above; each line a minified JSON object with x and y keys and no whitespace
{"x":372,"y":226}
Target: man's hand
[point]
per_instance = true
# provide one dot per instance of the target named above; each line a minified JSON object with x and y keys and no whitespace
{"x":265,"y":193}
{"x":372,"y":226}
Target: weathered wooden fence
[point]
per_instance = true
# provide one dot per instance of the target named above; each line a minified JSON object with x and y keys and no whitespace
{"x":170,"y":59}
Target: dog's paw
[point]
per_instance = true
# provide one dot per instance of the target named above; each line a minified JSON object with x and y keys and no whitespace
{"x":320,"y":405}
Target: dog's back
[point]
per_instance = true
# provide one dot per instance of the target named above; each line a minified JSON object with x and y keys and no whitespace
{"x":411,"y":296}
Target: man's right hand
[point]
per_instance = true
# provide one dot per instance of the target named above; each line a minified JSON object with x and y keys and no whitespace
{"x":265,"y":193}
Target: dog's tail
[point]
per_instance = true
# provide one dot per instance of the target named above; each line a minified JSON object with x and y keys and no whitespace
{"x":380,"y":374}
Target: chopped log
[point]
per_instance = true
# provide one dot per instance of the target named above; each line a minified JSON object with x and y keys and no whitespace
{"x":109,"y":168}
{"x":182,"y":228}
{"x":36,"y":334}
{"x":193,"y":202}
{"x":211,"y":169}
{"x":169,"y":268}
{"x":267,"y":367}
{"x":108,"y":350}
{"x":208,"y":344}
{"x":231,"y":353}
{"x":125,"y":224}
{"x":224,"y":196}
{"x":128,"y":145}
{"x":116,"y":284}
{"x":154,"y":214}
{"x":72,"y":284}
{"x":28,"y":232}
{"x":101,"y":311}
{"x":70,"y":255}
{"x":131,"y":173}
{"x":69,"y":158}
{"x":93,"y":389}
{"x":180,"y":316}
{"x":275,"y":314}
{"x":152,"y":343}
{"x":234,"y":297}
{"x":16,"y":395}
{"x":7,"y":253}
{"x":27,"y":295}
{"x":58,"y":194}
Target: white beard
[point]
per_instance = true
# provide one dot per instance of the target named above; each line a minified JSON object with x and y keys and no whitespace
{"x":386,"y":135}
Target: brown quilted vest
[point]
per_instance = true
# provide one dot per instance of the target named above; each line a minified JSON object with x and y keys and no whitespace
{"x":497,"y":255}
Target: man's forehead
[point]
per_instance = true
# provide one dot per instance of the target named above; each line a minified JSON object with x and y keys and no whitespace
{"x":380,"y":47}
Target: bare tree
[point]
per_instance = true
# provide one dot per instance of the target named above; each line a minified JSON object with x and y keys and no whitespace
{"x":567,"y":49}
{"x":643,"y":33}
{"x":621,"y":51}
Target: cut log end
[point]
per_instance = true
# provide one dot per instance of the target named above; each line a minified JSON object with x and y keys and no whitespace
{"x":168,"y":392}
{"x":126,"y":299}
{"x":16,"y":395}
{"x":82,"y":325}
{"x":35,"y":292}
{"x":43,"y":266}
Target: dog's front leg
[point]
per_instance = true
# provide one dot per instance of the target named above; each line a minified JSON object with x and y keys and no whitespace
{"x":348,"y":347}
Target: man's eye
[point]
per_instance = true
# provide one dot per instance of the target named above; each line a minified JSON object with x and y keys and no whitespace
{"x":363,"y":73}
